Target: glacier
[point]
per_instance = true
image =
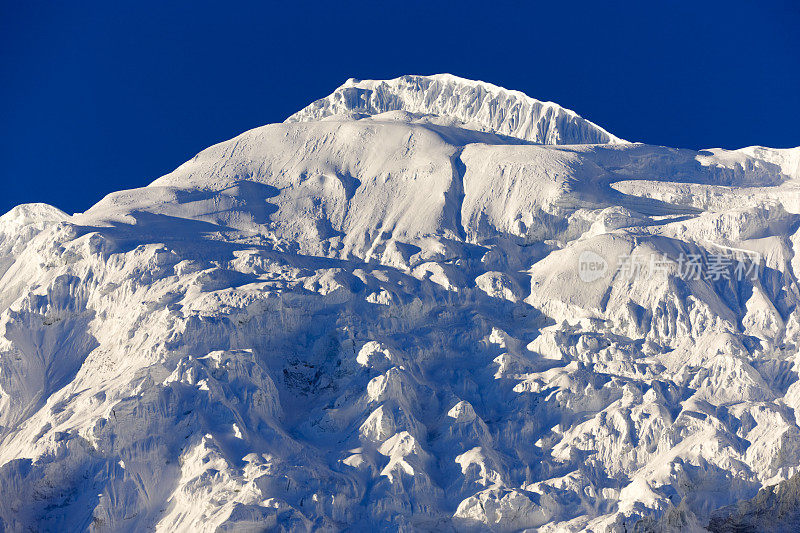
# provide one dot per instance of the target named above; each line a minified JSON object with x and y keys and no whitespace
{"x":374,"y":316}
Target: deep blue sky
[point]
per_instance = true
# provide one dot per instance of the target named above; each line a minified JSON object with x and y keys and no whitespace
{"x":101,"y":96}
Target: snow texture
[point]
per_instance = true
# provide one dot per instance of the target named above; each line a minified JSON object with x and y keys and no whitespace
{"x":450,"y":100}
{"x":372,"y":317}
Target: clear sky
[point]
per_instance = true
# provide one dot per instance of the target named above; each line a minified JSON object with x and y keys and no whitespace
{"x":101,"y":96}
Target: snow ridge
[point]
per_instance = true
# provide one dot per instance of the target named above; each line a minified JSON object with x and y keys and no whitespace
{"x":477,"y":105}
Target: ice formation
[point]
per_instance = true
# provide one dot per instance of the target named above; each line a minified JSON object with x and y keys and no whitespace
{"x":374,"y":316}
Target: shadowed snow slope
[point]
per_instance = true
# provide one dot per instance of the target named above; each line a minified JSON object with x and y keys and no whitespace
{"x":384,"y":320}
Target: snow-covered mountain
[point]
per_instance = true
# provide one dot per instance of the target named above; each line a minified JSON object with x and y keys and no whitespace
{"x":397,"y":311}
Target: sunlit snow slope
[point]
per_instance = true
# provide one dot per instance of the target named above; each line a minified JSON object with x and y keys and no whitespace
{"x":372,"y":317}
{"x":450,"y":100}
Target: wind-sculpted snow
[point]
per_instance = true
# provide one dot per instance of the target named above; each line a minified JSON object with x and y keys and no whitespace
{"x":450,"y":100}
{"x":396,"y":324}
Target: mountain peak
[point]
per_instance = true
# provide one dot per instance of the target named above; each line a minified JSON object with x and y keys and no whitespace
{"x":473,"y":104}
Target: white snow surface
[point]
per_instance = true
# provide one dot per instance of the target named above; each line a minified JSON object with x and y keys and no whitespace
{"x":377,"y":322}
{"x":450,"y":100}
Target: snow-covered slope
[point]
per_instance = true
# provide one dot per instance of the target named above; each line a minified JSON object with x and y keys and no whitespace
{"x":387,"y":322}
{"x":775,"y":508}
{"x":450,"y":100}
